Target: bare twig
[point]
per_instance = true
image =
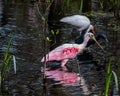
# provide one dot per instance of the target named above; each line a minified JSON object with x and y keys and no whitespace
{"x":45,"y":27}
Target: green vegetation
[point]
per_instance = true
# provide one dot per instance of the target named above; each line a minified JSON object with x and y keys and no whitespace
{"x":54,"y":34}
{"x":110,"y":74}
{"x":77,"y":5}
{"x":111,"y":5}
{"x":5,"y":66}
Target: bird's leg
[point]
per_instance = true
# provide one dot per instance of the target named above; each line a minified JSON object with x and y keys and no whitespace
{"x":63,"y":62}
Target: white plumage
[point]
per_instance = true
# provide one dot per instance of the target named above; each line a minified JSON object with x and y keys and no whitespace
{"x":79,"y":21}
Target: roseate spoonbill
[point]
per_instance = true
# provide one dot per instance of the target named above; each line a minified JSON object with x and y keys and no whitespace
{"x":91,"y":41}
{"x":80,"y":22}
{"x":68,"y":51}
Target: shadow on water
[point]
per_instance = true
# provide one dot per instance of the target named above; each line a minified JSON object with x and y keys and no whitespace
{"x":18,"y":19}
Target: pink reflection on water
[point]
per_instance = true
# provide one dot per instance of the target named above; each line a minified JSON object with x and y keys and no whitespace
{"x":66,"y":77}
{"x":63,"y":76}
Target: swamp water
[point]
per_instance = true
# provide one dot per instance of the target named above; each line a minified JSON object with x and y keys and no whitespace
{"x":19,"y":20}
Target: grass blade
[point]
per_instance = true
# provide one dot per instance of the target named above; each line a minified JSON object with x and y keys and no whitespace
{"x":116,"y":80}
{"x":14,"y":63}
{"x":108,"y":68}
{"x":107,"y":84}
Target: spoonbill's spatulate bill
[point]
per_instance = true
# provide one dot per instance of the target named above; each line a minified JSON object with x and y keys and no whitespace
{"x":68,"y":51}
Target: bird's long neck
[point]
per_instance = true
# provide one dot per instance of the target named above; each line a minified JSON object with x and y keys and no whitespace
{"x":86,"y":39}
{"x":89,"y":28}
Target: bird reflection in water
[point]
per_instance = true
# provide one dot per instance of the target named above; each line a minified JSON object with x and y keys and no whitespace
{"x":66,"y":77}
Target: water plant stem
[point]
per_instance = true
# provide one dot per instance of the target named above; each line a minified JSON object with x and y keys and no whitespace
{"x":81,"y":6}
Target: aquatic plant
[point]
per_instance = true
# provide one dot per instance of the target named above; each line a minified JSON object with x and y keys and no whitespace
{"x":5,"y":66}
{"x":77,"y":5}
{"x":111,"y":5}
{"x":110,"y":74}
{"x":101,"y":4}
{"x":81,"y":6}
{"x":67,"y":3}
{"x":53,"y":37}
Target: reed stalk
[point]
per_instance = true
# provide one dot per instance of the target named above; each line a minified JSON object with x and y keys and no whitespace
{"x":81,"y":6}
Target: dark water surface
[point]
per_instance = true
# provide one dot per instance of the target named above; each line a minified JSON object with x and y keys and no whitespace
{"x":18,"y":19}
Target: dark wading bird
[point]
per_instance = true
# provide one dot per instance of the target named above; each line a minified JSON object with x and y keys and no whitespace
{"x":68,"y":51}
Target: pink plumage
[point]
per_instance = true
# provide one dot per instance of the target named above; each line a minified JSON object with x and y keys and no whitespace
{"x":62,"y":53}
{"x":67,"y":51}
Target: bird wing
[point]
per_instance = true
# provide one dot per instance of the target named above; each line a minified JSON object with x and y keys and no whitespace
{"x":65,"y":51}
{"x":80,"y":21}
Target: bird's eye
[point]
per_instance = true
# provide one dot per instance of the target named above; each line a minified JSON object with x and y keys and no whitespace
{"x":91,"y":35}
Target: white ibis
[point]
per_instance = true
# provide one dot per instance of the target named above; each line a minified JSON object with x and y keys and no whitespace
{"x":79,"y":21}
